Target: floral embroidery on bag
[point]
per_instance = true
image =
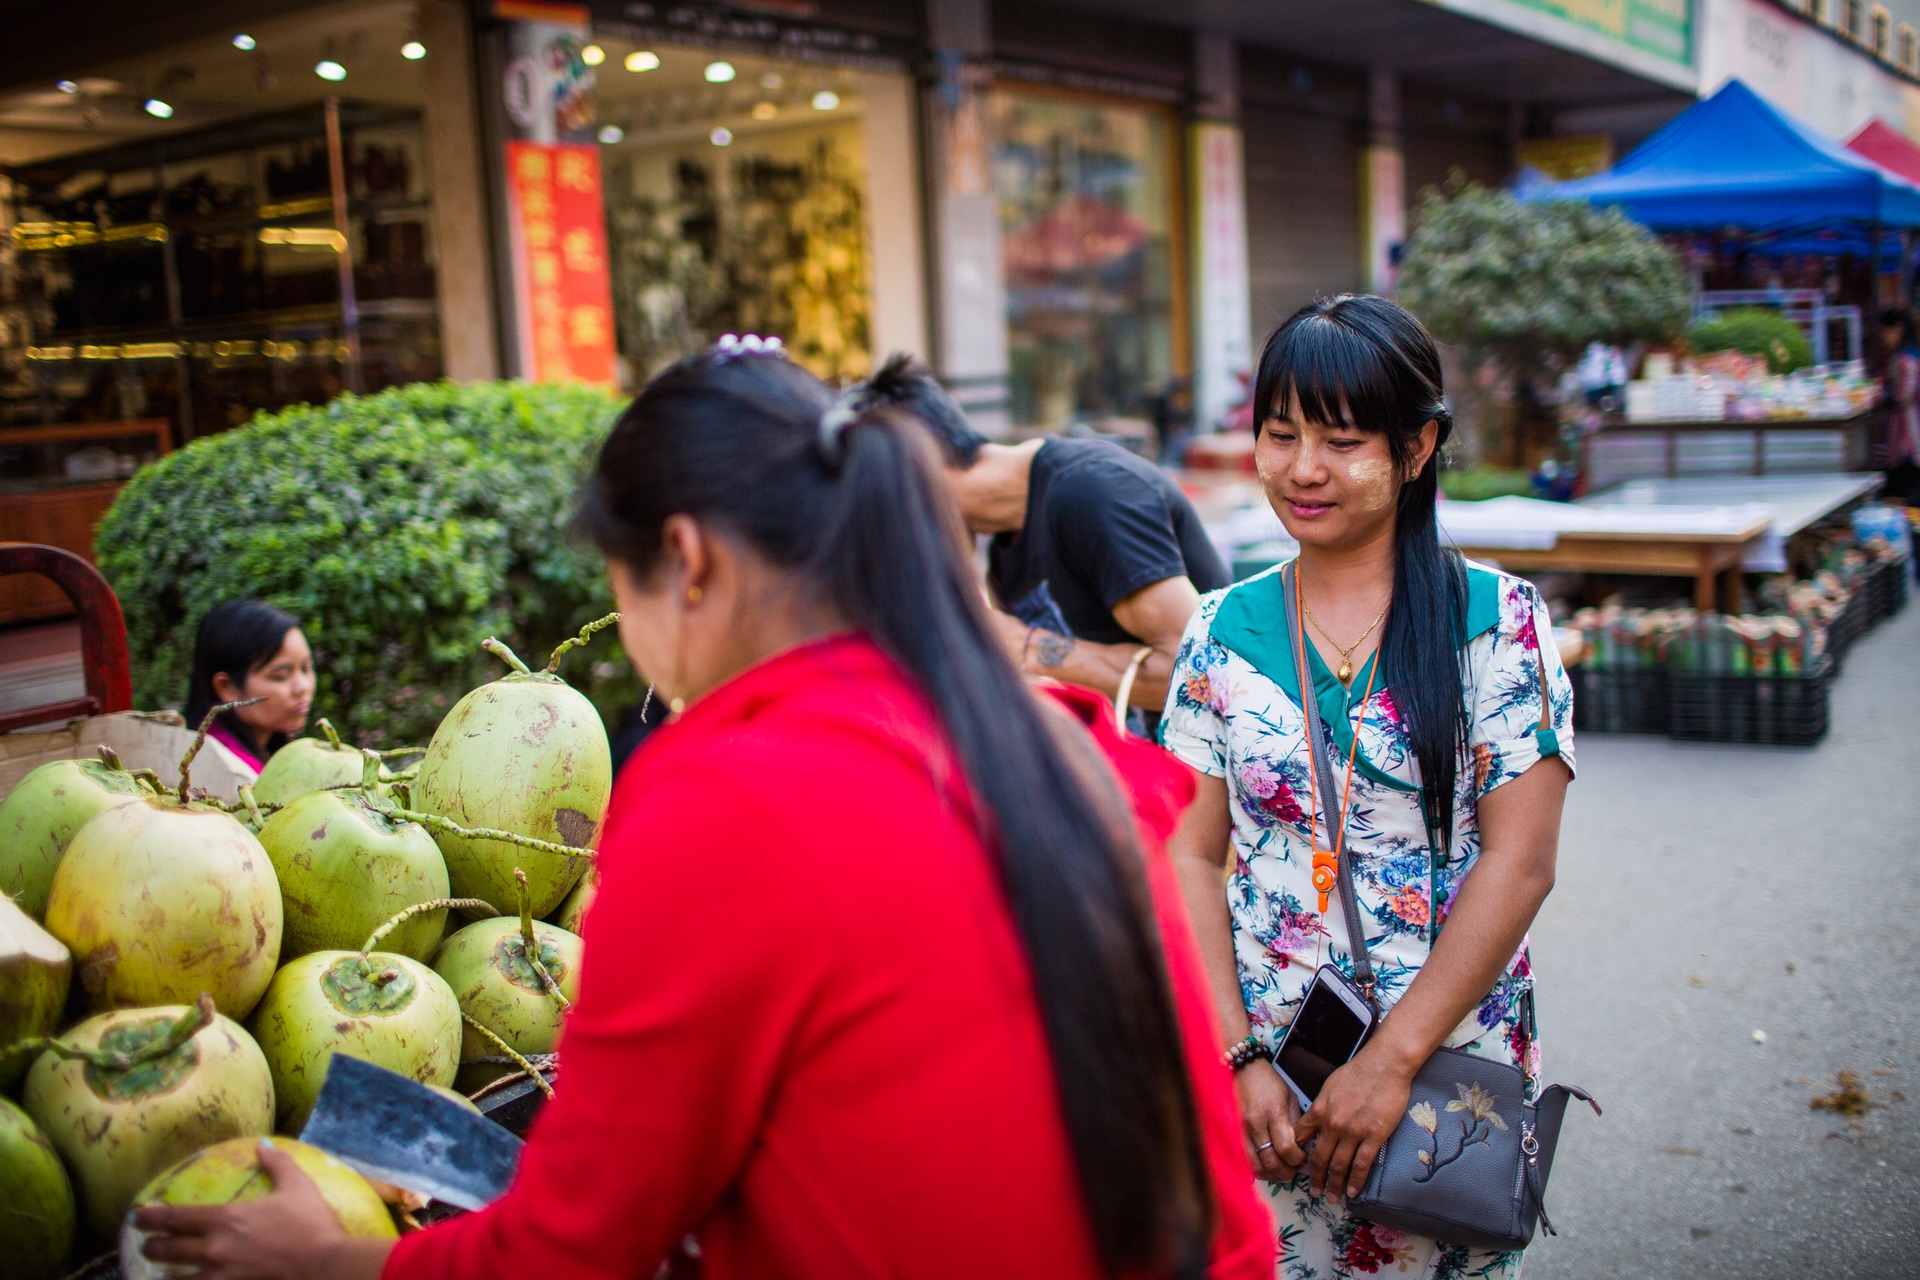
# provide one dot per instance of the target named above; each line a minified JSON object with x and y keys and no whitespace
{"x":1476,"y":1126}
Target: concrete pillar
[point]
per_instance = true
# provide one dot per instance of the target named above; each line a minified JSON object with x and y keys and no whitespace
{"x":967,"y":277}
{"x":897,"y":266}
{"x":1383,"y":183}
{"x":463,"y":261}
{"x":1217,"y":195}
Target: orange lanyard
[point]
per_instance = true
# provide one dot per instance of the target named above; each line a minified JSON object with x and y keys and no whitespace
{"x":1326,"y":866}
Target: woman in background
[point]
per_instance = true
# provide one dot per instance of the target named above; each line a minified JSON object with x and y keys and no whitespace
{"x":1902,"y":378}
{"x":249,"y":649}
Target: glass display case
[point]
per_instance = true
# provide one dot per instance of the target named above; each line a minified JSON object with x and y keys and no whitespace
{"x":204,"y":276}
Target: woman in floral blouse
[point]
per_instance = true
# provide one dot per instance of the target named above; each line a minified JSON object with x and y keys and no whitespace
{"x":1439,"y":669}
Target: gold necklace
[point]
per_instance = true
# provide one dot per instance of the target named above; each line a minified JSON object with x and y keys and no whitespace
{"x":1345,"y":673}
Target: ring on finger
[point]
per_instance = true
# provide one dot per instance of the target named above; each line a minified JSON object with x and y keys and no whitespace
{"x":1265,"y":1146}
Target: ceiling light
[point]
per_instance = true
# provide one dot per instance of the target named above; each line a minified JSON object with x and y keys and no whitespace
{"x":643,"y":60}
{"x":244,"y":42}
{"x":765,"y":111}
{"x":593,"y":55}
{"x":771,"y":80}
{"x":825,"y":100}
{"x":159,"y":110}
{"x":328,"y":69}
{"x":719,"y":72}
{"x":67,"y":86}
{"x":413,"y":51}
{"x":611,"y":133}
{"x":720,"y":137}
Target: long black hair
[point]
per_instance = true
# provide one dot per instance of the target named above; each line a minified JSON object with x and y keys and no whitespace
{"x":849,"y":499}
{"x":236,"y":638}
{"x":1365,"y":362}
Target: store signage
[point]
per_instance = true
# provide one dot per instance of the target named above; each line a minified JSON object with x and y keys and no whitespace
{"x":776,"y":30}
{"x":1223,"y":356}
{"x":560,"y":262}
{"x":1663,"y":28}
{"x":1574,"y":156}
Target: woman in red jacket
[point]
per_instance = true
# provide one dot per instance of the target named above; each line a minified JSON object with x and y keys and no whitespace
{"x":875,"y":984}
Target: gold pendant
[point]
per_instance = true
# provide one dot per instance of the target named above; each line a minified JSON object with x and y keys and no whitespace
{"x":1346,"y":671}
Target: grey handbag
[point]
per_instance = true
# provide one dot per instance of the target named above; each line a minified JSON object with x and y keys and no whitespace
{"x":1468,"y":1163}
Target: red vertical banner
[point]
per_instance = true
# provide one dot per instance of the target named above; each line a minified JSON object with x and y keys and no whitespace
{"x":560,"y":262}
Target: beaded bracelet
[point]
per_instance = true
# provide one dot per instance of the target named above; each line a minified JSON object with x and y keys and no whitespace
{"x":1246,"y":1051}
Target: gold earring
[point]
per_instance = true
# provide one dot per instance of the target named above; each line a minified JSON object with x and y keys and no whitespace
{"x":694,"y":594}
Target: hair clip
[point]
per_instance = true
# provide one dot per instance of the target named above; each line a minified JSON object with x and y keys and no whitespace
{"x":731,"y":346}
{"x":839,"y":415}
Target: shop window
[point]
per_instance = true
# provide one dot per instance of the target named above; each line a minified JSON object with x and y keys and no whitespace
{"x":1087,"y":194}
{"x":736,"y":206}
{"x":1880,"y":27}
{"x":1849,"y":24}
{"x":1816,"y":9}
{"x":1909,"y":49}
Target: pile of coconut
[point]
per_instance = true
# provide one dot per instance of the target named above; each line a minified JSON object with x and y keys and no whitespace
{"x":176,"y":972}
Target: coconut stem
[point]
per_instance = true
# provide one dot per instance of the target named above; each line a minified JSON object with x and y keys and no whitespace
{"x":393,"y":753}
{"x":326,"y":727}
{"x":370,"y":769}
{"x":151,"y":779}
{"x":586,"y":634}
{"x":111,"y":758}
{"x":184,"y":1028}
{"x":420,"y":909}
{"x":505,"y":655}
{"x":532,"y":947}
{"x":252,"y":805}
{"x":446,"y":826}
{"x":508,"y":1049}
{"x":200,"y":739}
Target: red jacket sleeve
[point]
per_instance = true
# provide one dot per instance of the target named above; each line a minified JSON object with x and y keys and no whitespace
{"x":689,"y":1054}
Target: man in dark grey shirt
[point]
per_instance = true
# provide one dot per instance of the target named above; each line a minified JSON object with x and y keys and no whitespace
{"x":1097,"y":560}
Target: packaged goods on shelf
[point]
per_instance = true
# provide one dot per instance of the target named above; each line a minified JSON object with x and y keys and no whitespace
{"x":1728,"y":386}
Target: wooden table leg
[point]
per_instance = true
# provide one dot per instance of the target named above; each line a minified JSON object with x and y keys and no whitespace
{"x":1704,"y":582}
{"x":1733,"y":587}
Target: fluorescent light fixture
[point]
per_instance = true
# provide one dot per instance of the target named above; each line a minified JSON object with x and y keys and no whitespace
{"x":328,"y":69}
{"x":67,"y":86}
{"x":642,"y":60}
{"x":244,"y":42}
{"x":413,"y":51}
{"x":593,"y":55}
{"x":304,"y":237}
{"x":611,"y":133}
{"x":721,"y":137}
{"x":719,"y":72}
{"x":159,"y":110}
{"x":825,"y":100}
{"x":765,"y":111}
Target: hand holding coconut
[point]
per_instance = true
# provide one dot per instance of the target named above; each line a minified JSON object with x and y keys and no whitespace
{"x":208,"y":1213}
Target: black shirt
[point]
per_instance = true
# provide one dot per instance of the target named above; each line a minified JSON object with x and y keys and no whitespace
{"x":1101,"y":524}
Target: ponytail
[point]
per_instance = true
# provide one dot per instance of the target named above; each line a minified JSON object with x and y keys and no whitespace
{"x":850,"y":499}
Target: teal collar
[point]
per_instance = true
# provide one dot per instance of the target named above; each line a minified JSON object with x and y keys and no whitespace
{"x":1252,"y":621}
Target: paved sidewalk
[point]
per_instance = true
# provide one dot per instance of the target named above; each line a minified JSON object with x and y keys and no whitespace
{"x":1706,"y":893}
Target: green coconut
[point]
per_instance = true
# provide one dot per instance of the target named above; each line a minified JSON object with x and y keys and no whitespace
{"x":454,"y":1095}
{"x":510,"y":1004}
{"x":345,"y":865}
{"x":117,"y":1126}
{"x":573,"y":911}
{"x":40,"y":816}
{"x":160,"y":900}
{"x":387,"y":1009}
{"x":36,"y":1200}
{"x":306,"y":765}
{"x":229,"y":1173}
{"x":526,"y":754}
{"x":34,"y":972}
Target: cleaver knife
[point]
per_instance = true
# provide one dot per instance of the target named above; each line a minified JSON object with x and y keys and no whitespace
{"x":397,"y":1130}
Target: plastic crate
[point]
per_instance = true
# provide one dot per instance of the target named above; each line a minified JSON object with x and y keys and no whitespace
{"x":1619,"y":700}
{"x":1787,"y":711}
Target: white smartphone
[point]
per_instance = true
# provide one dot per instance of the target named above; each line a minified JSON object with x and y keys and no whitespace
{"x":1333,"y":1022}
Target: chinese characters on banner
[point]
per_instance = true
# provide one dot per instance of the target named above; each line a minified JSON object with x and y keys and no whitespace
{"x":560,"y":257}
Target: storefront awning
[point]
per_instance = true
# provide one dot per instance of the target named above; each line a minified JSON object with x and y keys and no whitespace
{"x":1736,"y":161}
{"x":1888,"y":148}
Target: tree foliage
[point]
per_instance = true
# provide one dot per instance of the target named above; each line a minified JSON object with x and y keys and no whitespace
{"x":1531,"y":285}
{"x":400,"y":528}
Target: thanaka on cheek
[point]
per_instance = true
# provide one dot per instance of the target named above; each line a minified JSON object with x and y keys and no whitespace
{"x":1373,"y":483}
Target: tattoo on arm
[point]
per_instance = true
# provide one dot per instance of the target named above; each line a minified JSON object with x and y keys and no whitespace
{"x":1052,"y":649}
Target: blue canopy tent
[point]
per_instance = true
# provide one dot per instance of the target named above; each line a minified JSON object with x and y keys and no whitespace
{"x":1735,"y":162}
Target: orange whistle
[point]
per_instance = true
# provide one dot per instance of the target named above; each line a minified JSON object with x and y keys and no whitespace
{"x":1325,"y":867}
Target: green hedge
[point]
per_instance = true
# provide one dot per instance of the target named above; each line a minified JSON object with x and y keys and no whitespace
{"x":402,"y":529}
{"x":1755,"y":331}
{"x":1473,"y":484}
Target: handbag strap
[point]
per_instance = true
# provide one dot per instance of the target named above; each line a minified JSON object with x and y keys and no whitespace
{"x":1330,"y":812}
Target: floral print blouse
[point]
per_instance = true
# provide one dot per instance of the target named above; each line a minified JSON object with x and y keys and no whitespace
{"x":1235,"y":713}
